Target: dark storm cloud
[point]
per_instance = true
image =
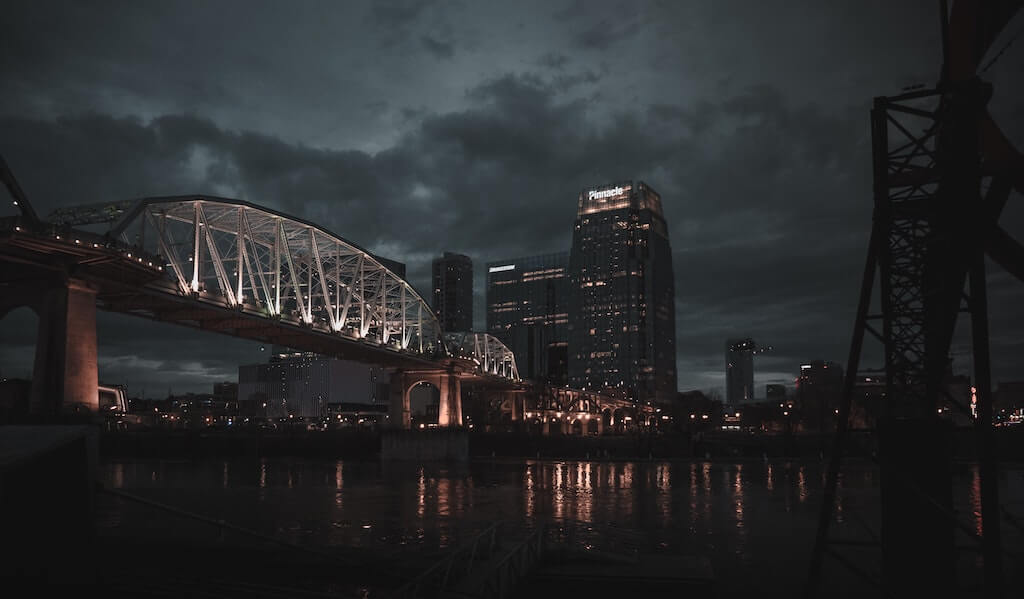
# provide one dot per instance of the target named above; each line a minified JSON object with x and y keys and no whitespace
{"x":564,"y":82}
{"x":759,"y":147}
{"x":498,"y":178}
{"x":571,"y":10}
{"x":398,"y":13}
{"x":607,"y":32}
{"x":438,"y":48}
{"x":552,"y":60}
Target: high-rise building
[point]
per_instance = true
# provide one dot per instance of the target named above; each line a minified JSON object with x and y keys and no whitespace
{"x":818,"y":392}
{"x":453,"y":291}
{"x":393,"y":265}
{"x":528,"y":309}
{"x":739,"y":370}
{"x":622,"y":294}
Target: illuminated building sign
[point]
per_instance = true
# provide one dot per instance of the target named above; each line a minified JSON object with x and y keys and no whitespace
{"x":606,"y":193}
{"x":599,"y":200}
{"x":501,"y":268}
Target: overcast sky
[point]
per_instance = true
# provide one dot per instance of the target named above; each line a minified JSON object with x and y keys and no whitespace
{"x":412,"y":128}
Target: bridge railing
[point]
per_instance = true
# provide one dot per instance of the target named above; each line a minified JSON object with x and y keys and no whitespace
{"x":77,"y":240}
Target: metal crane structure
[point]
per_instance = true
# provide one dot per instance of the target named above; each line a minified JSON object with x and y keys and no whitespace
{"x":943,"y":171}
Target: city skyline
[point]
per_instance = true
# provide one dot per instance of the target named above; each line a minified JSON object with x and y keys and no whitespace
{"x":459,"y":136}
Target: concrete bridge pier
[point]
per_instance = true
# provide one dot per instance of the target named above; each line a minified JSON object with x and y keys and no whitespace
{"x":64,"y":377}
{"x":450,"y":396}
{"x":516,"y":399}
{"x":449,"y":411}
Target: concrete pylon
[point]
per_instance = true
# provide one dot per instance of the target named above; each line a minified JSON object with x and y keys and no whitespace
{"x":516,"y":402}
{"x":398,"y":409}
{"x":449,"y":409}
{"x":455,"y":401}
{"x":444,"y":401}
{"x":65,"y":377}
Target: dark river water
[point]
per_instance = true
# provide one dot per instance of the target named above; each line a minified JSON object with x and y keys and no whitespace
{"x":754,"y":520}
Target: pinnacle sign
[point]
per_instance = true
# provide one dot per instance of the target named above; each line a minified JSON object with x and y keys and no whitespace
{"x":606,"y":193}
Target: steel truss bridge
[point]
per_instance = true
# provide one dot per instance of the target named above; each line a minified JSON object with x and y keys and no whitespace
{"x":232,"y":267}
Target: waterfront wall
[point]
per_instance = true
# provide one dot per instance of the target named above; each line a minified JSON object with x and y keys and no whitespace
{"x":430,"y":445}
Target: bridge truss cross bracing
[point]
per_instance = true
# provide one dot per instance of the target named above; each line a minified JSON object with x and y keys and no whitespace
{"x":245,"y":257}
{"x":491,"y":355}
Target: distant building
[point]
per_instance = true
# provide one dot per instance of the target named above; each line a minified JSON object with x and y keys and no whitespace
{"x":868,"y":399}
{"x":818,"y":392}
{"x":453,"y":291}
{"x":527,"y":308}
{"x":775,"y":392}
{"x":393,"y":265}
{"x":739,"y":371}
{"x":226,"y":391}
{"x":693,"y":410}
{"x":622,"y":294}
{"x":1008,"y":402}
{"x":302,"y":385}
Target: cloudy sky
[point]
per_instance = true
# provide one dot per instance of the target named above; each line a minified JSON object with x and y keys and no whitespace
{"x":416,"y":127}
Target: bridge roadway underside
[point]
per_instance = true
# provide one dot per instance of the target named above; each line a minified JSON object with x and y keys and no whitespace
{"x":160,"y":301}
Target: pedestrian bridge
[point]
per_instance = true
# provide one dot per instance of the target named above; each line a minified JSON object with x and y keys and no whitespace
{"x":228,"y":266}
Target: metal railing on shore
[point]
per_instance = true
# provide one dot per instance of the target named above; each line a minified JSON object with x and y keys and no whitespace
{"x":446,"y":573}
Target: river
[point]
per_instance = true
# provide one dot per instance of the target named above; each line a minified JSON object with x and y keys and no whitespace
{"x":754,"y":520}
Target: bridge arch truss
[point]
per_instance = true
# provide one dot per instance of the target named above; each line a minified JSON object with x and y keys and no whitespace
{"x":250,"y":258}
{"x":491,"y":356}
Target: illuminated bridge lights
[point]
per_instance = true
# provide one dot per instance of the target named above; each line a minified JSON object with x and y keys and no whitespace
{"x":235,"y":255}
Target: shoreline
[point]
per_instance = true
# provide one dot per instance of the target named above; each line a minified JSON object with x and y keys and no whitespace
{"x":509,"y":447}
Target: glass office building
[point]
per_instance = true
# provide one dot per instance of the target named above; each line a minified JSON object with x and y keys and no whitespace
{"x":452,"y":276}
{"x":527,"y":308}
{"x":622,"y":294}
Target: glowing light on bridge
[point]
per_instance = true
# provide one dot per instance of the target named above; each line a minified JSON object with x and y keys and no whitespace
{"x":249,"y":271}
{"x":490,"y":354}
{"x":252,"y":259}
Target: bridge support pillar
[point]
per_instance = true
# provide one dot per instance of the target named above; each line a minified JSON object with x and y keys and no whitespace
{"x":398,"y":405}
{"x":64,"y":377}
{"x":449,"y":412}
{"x":449,"y":409}
{"x":516,"y":402}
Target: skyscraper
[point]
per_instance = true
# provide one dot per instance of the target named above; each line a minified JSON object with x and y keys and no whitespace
{"x":527,"y":308}
{"x":393,"y":265}
{"x":453,"y":291}
{"x":739,"y":370}
{"x":622,"y":294}
{"x":818,"y":391}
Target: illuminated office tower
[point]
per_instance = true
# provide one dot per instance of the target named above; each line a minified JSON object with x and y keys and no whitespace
{"x":527,"y":308}
{"x":622,"y":294}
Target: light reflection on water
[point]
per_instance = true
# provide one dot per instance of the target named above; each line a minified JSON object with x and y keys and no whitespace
{"x":747,"y":514}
